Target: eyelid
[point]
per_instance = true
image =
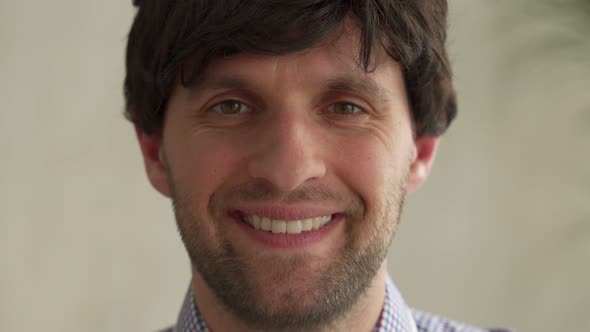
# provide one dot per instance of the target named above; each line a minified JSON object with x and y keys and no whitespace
{"x":224,"y":98}
{"x":360,"y":108}
{"x":336,"y":97}
{"x":247,"y":97}
{"x":217,"y":104}
{"x":333,"y":97}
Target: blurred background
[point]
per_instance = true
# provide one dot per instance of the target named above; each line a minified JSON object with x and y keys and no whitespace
{"x":499,"y":235}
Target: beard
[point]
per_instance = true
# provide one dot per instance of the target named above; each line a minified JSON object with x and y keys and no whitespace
{"x":297,"y":292}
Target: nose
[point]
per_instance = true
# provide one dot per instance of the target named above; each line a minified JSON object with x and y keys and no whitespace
{"x":288,"y":153}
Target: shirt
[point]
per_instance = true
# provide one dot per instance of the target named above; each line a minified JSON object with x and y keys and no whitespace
{"x":395,"y":316}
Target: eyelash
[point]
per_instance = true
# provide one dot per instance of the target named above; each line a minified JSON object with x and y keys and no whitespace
{"x":233,"y":103}
{"x":357,"y":110}
{"x":245,"y":108}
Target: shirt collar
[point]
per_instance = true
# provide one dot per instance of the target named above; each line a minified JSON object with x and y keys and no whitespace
{"x":395,"y":315}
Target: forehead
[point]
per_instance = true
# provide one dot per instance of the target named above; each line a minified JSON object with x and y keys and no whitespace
{"x":334,"y":61}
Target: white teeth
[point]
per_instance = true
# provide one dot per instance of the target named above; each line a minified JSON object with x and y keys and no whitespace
{"x":279,"y":226}
{"x":306,"y":225}
{"x":294,"y":227}
{"x":316,"y":223}
{"x":256,"y":222}
{"x":287,"y":226}
{"x":265,"y":224}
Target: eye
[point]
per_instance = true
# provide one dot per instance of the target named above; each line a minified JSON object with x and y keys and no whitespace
{"x":230,"y":107}
{"x":344,"y":108}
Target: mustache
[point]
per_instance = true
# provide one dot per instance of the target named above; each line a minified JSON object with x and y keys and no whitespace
{"x":261,"y":190}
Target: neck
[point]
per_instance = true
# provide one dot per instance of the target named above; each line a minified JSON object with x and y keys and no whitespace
{"x":362,"y":316}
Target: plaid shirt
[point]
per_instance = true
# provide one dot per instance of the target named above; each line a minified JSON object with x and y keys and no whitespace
{"x":396,"y":316}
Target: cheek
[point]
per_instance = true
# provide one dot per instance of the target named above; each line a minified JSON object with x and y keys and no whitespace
{"x":371,"y":169}
{"x":200,"y":166}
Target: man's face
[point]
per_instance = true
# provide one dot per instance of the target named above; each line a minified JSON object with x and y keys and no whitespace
{"x":262,"y":152}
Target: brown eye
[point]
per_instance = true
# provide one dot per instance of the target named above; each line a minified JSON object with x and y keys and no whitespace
{"x":344,"y":108}
{"x":230,"y":107}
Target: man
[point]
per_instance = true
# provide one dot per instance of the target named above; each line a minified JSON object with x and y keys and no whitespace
{"x":287,"y":135}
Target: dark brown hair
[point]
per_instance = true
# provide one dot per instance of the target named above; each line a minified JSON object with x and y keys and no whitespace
{"x":167,"y":33}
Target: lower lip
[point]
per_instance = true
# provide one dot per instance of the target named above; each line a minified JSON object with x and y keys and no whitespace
{"x":289,"y":241}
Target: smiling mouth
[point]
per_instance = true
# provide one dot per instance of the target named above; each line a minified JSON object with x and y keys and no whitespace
{"x":277,"y":226}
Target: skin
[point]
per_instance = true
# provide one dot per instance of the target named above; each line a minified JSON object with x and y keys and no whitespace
{"x":313,"y":133}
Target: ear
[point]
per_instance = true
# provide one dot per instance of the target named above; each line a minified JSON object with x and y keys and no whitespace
{"x":425,"y":150}
{"x":154,"y":161}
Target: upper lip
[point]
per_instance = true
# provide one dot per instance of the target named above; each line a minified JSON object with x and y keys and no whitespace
{"x":286,"y":212}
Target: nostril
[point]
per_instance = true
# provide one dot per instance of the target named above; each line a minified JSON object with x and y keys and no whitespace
{"x":286,"y":171}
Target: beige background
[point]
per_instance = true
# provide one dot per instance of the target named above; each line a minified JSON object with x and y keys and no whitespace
{"x":500,"y":235}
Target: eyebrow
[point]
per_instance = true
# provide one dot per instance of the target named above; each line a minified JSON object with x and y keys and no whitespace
{"x":363,"y":86}
{"x":226,"y":82}
{"x":214,"y":83}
